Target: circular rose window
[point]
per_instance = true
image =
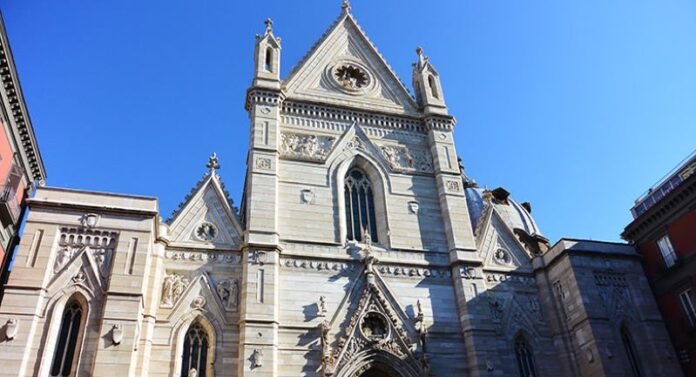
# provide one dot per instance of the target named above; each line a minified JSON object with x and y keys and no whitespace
{"x":374,"y":326}
{"x":206,"y":231}
{"x":351,"y":77}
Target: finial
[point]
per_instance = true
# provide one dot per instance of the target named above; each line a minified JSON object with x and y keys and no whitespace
{"x":269,"y":26}
{"x":213,"y":163}
{"x":346,"y":6}
{"x":419,"y":50}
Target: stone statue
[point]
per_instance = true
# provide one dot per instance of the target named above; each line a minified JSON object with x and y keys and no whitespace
{"x":256,"y":358}
{"x":172,"y":288}
{"x":234,"y":294}
{"x":322,"y":306}
{"x":193,"y":372}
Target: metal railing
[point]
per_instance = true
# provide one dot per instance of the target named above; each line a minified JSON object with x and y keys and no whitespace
{"x":9,"y":206}
{"x":663,"y":187}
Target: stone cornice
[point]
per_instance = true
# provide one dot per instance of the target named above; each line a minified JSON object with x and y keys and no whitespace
{"x":22,"y":131}
{"x":367,"y":118}
{"x":263,"y":96}
{"x":680,"y":199}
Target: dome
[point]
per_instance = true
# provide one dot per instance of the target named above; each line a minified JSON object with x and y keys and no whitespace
{"x":512,"y":213}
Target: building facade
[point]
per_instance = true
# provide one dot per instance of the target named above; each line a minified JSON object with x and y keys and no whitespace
{"x":21,"y":167}
{"x":360,"y":249}
{"x":664,"y":233}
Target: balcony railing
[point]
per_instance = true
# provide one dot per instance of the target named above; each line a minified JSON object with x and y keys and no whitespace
{"x":9,"y":206}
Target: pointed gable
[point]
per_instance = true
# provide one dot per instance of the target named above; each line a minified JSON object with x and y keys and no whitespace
{"x":345,"y":66}
{"x":206,"y":218}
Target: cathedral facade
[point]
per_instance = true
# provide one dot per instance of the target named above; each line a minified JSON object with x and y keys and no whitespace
{"x":360,"y":249}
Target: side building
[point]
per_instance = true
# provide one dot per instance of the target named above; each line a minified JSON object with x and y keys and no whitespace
{"x":21,"y":167}
{"x":664,"y":232}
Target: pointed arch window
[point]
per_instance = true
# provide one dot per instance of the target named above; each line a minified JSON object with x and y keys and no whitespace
{"x":68,"y":338}
{"x":268,"y":65}
{"x":360,"y":206}
{"x":433,"y":86}
{"x":525,"y":357}
{"x":630,"y":351}
{"x":195,"y":354}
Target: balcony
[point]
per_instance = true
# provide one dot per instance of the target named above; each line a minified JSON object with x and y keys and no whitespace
{"x":10,"y":208}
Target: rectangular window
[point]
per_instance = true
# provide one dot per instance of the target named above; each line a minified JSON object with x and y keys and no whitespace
{"x":687,"y":303}
{"x":667,"y":251}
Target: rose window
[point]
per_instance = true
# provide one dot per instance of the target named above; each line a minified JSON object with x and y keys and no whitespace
{"x":351,"y":77}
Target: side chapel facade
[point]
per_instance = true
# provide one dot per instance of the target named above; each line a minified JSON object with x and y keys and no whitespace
{"x":360,"y":249}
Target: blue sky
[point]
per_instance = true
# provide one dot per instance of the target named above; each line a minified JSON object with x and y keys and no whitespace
{"x":577,"y":106}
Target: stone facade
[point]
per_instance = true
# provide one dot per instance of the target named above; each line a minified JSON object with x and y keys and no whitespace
{"x":438,"y":278}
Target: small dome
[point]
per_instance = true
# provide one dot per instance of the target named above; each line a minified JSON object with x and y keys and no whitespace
{"x":513,"y":213}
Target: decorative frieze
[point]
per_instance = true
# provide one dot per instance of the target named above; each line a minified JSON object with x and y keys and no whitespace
{"x":100,"y":244}
{"x":204,"y":256}
{"x":344,"y":267}
{"x":499,"y":277}
{"x":305,"y":146}
{"x":407,"y":159}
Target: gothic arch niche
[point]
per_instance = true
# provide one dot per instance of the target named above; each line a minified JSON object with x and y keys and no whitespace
{"x":195,"y":327}
{"x":377,"y":180}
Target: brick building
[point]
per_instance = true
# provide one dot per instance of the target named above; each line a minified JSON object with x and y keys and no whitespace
{"x":21,"y":167}
{"x":664,"y":233}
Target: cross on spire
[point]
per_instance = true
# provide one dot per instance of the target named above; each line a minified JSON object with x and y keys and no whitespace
{"x":213,"y":163}
{"x":269,"y":26}
{"x":346,"y":6}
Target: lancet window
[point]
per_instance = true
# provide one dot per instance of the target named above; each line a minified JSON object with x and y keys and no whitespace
{"x":525,"y":357}
{"x":68,"y":338}
{"x":360,"y":206}
{"x":195,"y":354}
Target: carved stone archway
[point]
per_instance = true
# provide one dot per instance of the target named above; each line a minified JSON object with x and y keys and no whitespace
{"x":378,"y":364}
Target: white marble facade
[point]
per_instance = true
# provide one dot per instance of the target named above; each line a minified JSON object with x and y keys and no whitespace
{"x":446,"y":279}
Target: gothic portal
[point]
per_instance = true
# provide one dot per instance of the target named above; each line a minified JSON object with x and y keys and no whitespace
{"x":360,"y":249}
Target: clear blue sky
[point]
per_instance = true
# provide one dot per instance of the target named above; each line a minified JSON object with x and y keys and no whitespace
{"x":575,"y":106}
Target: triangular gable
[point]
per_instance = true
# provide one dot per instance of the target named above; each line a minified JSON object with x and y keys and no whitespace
{"x":198,"y":295}
{"x":349,"y":334}
{"x":345,"y":44}
{"x":81,"y":269}
{"x":354,"y":140}
{"x":498,"y":246}
{"x":208,"y":206}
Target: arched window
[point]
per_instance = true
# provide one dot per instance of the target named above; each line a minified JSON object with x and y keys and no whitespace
{"x":433,"y":86}
{"x":269,"y":59}
{"x":68,"y":337}
{"x":195,"y":354}
{"x":360,"y":206}
{"x":630,"y":351}
{"x":525,"y":357}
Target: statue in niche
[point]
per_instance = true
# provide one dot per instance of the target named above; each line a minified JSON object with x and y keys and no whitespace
{"x":228,"y":290}
{"x":172,"y":288}
{"x":496,"y":308}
